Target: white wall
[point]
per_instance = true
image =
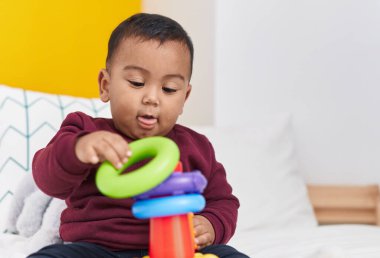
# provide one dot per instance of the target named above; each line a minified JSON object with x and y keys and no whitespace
{"x":197,"y":18}
{"x":319,"y":60}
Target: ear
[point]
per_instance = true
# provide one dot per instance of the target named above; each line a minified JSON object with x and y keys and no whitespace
{"x":188,"y":91}
{"x":104,"y":82}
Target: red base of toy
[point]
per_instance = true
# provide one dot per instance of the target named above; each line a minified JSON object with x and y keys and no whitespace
{"x":172,"y":236}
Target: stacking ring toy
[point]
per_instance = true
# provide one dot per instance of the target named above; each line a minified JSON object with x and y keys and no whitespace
{"x":165,"y":155}
{"x":168,"y":206}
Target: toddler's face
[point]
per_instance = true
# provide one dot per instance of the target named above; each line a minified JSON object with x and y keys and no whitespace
{"x":147,"y":86}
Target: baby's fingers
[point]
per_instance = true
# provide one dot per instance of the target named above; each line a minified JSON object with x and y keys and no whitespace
{"x":120,"y":146}
{"x":85,"y":153}
{"x":99,"y":146}
{"x":203,"y":240}
{"x":107,"y":152}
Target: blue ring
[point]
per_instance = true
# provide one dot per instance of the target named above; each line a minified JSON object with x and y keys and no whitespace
{"x":168,"y":206}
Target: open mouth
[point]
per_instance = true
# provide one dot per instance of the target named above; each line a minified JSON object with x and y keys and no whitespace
{"x":147,"y":121}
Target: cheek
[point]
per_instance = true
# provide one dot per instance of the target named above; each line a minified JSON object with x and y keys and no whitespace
{"x":177,"y":108}
{"x":180,"y":108}
{"x":124,"y":106}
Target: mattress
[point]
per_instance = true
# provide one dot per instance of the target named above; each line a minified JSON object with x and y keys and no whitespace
{"x":334,"y":241}
{"x":337,"y":241}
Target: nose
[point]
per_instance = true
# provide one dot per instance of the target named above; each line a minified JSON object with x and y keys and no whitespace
{"x":151,"y":97}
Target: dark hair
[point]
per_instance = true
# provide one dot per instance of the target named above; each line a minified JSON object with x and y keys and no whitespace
{"x":149,"y":26}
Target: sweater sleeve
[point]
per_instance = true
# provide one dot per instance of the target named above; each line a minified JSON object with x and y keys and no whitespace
{"x":56,"y":169}
{"x":221,"y":205}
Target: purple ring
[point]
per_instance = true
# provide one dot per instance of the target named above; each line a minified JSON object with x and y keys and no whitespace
{"x":177,"y":183}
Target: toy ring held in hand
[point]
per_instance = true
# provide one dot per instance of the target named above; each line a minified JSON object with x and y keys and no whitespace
{"x":165,"y":155}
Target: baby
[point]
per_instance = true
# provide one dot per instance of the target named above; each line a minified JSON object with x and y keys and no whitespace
{"x":147,"y":82}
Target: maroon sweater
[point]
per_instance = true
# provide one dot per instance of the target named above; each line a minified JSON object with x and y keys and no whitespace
{"x":93,"y":217}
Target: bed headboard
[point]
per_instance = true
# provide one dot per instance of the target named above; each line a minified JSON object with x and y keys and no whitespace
{"x":336,"y":204}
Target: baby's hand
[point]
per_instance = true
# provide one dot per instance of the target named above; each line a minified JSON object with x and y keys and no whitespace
{"x":203,"y":231}
{"x":102,"y":145}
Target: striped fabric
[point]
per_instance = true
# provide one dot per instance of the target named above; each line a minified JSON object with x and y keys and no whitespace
{"x":28,"y":120}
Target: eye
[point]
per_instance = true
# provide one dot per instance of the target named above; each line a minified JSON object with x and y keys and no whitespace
{"x":136,"y":84}
{"x":169,"y":90}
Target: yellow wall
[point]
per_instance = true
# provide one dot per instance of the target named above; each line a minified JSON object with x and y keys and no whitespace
{"x":58,"y":46}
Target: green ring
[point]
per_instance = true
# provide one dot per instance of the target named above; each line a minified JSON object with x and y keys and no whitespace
{"x":165,"y":156}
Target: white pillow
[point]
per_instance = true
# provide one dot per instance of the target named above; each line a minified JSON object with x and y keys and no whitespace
{"x":28,"y":120}
{"x":261,"y":166}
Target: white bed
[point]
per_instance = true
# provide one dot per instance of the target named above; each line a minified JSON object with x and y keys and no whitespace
{"x":333,"y":241}
{"x":279,"y":213}
{"x":337,"y":241}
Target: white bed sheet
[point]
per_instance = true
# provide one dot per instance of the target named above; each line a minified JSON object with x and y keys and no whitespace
{"x":338,"y":241}
{"x":334,"y":241}
{"x":12,"y":246}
